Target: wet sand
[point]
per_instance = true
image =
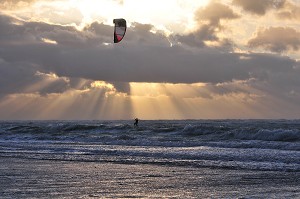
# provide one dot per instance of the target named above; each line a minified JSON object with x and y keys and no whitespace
{"x":26,"y":178}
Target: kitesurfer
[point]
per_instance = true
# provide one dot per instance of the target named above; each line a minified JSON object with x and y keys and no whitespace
{"x":136,"y":122}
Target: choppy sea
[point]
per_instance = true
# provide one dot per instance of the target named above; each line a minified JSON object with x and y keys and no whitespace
{"x":266,"y":145}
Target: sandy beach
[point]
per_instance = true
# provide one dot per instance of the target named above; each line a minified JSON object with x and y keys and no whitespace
{"x":25,"y":178}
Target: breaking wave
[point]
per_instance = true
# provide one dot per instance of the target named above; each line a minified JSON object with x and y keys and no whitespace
{"x":236,"y":144}
{"x":242,"y":133}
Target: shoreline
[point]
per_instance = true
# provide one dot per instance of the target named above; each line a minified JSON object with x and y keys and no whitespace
{"x":29,"y":178}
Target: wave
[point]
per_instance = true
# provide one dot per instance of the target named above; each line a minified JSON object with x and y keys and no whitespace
{"x":285,"y":135}
{"x":255,"y":145}
{"x":253,"y":159}
{"x":81,"y":127}
{"x":241,"y":133}
{"x":177,"y":133}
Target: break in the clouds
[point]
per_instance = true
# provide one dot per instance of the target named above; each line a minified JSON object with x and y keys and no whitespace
{"x":190,"y":73}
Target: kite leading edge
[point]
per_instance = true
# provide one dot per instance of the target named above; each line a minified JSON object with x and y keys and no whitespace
{"x":120,"y":29}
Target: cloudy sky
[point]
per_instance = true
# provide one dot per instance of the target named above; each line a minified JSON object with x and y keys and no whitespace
{"x":180,"y":59}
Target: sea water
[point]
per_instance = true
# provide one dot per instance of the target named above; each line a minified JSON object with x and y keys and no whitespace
{"x":237,"y":144}
{"x":253,"y":151}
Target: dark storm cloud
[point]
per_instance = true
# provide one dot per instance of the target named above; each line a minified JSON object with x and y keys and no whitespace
{"x":209,"y":22}
{"x":279,"y":81}
{"x":25,"y":78}
{"x":143,"y":56}
{"x":259,"y":7}
{"x":277,"y":39}
{"x":123,"y":87}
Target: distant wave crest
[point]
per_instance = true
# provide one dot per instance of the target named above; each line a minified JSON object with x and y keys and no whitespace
{"x":241,"y":133}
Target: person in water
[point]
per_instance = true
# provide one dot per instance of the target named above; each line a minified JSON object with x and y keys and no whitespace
{"x":136,"y":122}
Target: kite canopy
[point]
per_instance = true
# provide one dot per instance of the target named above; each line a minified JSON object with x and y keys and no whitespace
{"x":120,"y":29}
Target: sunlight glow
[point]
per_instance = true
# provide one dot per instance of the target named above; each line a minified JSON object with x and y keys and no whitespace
{"x":163,"y":100}
{"x":49,"y":41}
{"x":140,"y":11}
{"x":102,"y":84}
{"x":146,"y":101}
{"x":167,"y":15}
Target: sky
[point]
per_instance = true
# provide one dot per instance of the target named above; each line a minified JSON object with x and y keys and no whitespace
{"x":180,"y":59}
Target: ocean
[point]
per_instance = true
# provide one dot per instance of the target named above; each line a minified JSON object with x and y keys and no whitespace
{"x":264,"y":147}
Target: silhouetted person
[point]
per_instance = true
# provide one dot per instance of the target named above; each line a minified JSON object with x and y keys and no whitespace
{"x":136,"y":122}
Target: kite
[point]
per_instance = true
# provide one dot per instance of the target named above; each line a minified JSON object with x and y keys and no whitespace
{"x":120,"y":29}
